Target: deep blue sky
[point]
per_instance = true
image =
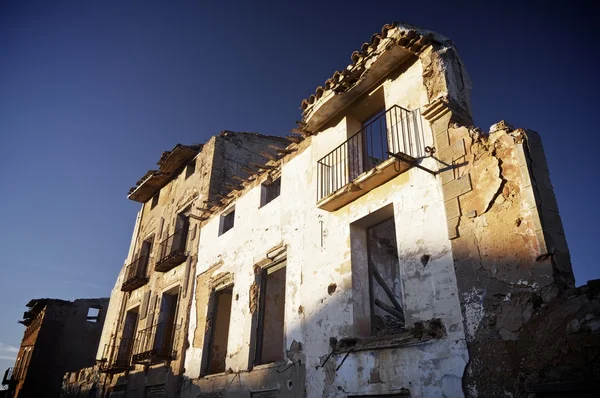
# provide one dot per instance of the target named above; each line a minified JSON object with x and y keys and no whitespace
{"x":92,"y":92}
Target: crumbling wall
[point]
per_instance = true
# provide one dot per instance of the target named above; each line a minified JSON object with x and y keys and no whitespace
{"x":319,"y":297}
{"x":510,"y":254}
{"x":559,"y":349}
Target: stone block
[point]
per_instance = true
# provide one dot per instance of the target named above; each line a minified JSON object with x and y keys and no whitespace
{"x":453,"y":152}
{"x":447,"y":175}
{"x":442,"y":140}
{"x":453,"y":228}
{"x":452,"y":208}
{"x":457,"y":187}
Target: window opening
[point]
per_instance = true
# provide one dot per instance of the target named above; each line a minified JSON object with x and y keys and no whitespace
{"x":376,"y":281}
{"x":190,"y":168}
{"x":227,"y":221}
{"x":93,"y":314}
{"x":387,"y":315}
{"x":127,"y":337}
{"x":166,"y":327}
{"x":154,"y":200}
{"x":269,"y":192}
{"x":271,"y":333}
{"x":219,"y":333}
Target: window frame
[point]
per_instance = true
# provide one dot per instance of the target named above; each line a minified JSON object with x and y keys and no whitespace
{"x":154,"y":201}
{"x":266,"y":195}
{"x":224,"y":220}
{"x":262,"y":276}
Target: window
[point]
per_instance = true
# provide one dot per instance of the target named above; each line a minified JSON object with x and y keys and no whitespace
{"x":93,"y":314}
{"x":190,"y":168}
{"x":166,"y":327}
{"x":227,"y":221}
{"x":270,"y":191}
{"x":127,"y":337}
{"x":154,"y":200}
{"x":218,"y":334}
{"x":377,"y":297}
{"x":271,"y":333}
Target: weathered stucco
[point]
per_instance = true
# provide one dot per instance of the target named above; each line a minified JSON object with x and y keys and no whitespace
{"x":476,"y":268}
{"x":216,"y":164}
{"x":320,"y":304}
{"x":510,"y":252}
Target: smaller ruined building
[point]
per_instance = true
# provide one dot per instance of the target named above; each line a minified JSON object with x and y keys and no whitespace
{"x":387,"y":248}
{"x":60,"y":336}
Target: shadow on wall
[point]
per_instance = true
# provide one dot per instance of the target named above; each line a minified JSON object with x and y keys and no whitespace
{"x":525,"y":340}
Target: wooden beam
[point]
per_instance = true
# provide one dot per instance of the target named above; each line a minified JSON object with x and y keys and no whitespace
{"x":389,"y":309}
{"x":263,"y":166}
{"x":385,"y":288}
{"x":267,"y":155}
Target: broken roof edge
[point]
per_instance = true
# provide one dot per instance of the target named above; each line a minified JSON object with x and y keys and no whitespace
{"x":411,"y":38}
{"x":272,"y":170}
{"x":165,"y":173}
{"x":224,"y":133}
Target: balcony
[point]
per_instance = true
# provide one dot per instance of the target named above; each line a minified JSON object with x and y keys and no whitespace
{"x":135,"y":274}
{"x":117,"y":358}
{"x":172,"y":251}
{"x":10,"y":377}
{"x":363,"y":162}
{"x":155,"y":344}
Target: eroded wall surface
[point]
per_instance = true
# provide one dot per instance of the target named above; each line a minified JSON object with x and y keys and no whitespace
{"x":510,"y":252}
{"x":319,"y":304}
{"x":219,"y":160}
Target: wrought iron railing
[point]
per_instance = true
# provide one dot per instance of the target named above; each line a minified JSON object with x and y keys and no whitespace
{"x":173,"y":248}
{"x":136,"y":272}
{"x":396,"y":130}
{"x":9,"y":376}
{"x":156,"y":343}
{"x":117,"y":357}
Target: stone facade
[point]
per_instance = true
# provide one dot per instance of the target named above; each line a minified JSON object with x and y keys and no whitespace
{"x":189,"y":179}
{"x":434,"y":266}
{"x":60,"y":336}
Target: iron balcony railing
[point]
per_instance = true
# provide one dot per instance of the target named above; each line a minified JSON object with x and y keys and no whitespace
{"x":116,"y":358}
{"x":155,"y":343}
{"x":172,"y":250}
{"x":9,"y":377}
{"x":136,"y":274}
{"x":396,"y":130}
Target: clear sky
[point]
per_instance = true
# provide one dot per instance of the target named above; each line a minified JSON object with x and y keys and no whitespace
{"x":92,"y":92}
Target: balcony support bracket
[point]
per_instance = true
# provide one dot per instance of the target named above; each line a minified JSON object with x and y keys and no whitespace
{"x":413,"y":162}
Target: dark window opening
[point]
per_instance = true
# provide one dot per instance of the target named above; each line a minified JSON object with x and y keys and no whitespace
{"x":190,"y":168}
{"x":387,"y":315}
{"x":227,"y":221}
{"x":166,"y":328}
{"x":93,"y":314}
{"x":127,"y":337}
{"x":376,"y":278}
{"x":219,"y":330}
{"x":271,"y":332}
{"x":145,"y":257}
{"x":154,"y":200}
{"x":268,"y":192}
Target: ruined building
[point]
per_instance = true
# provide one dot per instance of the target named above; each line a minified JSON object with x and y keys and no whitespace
{"x":60,"y":336}
{"x":144,"y":340}
{"x":390,"y":249}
